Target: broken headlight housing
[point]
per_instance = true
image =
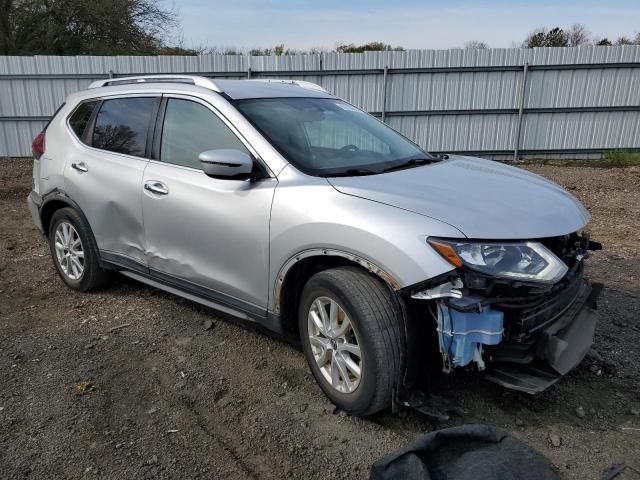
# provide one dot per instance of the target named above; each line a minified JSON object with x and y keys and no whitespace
{"x":525,"y":261}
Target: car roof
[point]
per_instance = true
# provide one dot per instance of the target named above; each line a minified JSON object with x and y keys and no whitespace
{"x":234,"y":89}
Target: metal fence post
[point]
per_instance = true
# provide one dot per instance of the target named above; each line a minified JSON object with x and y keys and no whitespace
{"x":383,"y":101}
{"x":516,"y":149}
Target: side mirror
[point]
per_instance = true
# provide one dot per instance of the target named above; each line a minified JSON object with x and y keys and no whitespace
{"x":222,"y":163}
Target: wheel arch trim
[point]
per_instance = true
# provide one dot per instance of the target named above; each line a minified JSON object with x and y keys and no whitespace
{"x":370,"y":266}
{"x":63,"y":197}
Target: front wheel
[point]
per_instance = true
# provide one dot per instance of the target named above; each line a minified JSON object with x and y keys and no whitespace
{"x":351,"y":331}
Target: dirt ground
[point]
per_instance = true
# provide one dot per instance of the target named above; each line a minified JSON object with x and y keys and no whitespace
{"x":167,"y":397}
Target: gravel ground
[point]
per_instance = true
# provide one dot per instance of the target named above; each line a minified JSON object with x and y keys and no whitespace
{"x":180,"y":392}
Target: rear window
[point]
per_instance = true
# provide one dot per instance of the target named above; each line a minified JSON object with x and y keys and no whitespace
{"x":122,"y":125}
{"x":80,"y":118}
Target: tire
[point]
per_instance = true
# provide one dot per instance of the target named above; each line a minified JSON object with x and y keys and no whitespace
{"x":91,"y":275}
{"x":376,"y":320}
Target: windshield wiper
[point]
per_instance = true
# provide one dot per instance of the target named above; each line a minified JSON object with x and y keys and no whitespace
{"x":412,"y":162}
{"x":350,"y":172}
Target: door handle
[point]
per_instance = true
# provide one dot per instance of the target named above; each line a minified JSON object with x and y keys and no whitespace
{"x":156,"y":187}
{"x":80,"y":166}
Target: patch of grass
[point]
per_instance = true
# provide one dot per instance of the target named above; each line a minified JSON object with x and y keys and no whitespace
{"x":622,"y":158}
{"x":610,"y":159}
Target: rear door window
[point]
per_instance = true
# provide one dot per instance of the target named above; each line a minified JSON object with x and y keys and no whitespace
{"x":122,"y":125}
{"x":190,"y":129}
{"x":80,"y":118}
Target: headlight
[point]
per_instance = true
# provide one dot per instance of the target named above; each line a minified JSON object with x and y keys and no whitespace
{"x":519,"y":260}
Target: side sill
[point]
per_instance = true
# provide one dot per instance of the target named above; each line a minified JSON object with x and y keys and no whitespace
{"x":133,"y":269}
{"x":269,"y":322}
{"x":188,"y":296}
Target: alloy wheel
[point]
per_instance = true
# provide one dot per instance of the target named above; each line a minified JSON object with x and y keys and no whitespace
{"x":335,"y":345}
{"x":69,"y":251}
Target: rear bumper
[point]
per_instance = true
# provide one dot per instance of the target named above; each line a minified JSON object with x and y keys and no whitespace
{"x":35,"y":201}
{"x":553,"y":352}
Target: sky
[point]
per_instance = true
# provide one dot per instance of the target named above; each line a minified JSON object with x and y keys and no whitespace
{"x":302,"y":24}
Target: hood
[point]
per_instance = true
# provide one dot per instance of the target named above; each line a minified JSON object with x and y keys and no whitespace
{"x":481,"y":198}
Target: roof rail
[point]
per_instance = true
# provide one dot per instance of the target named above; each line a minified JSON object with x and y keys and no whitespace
{"x":299,"y":83}
{"x":190,"y":79}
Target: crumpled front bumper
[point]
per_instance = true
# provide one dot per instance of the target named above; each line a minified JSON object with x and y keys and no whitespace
{"x":554,"y":351}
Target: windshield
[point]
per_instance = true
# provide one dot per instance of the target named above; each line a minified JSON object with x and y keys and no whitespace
{"x":329,"y":137}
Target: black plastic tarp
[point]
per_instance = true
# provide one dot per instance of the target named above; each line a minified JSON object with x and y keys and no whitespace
{"x":467,"y":452}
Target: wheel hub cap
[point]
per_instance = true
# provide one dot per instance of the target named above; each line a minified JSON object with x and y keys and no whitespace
{"x":69,"y":251}
{"x":334,"y":344}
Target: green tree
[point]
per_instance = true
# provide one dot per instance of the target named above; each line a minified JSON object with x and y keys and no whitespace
{"x":6,"y":13}
{"x":73,"y":27}
{"x":178,"y":50}
{"x":556,"y":37}
{"x":367,"y":47}
{"x":261,"y":52}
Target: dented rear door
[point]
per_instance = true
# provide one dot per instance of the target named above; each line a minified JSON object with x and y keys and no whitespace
{"x":104,"y":176}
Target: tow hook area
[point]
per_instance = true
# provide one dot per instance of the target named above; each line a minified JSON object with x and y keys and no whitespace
{"x":432,"y":405}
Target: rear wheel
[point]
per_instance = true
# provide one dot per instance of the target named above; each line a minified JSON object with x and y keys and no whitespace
{"x":351,"y":330}
{"x":74,"y":251}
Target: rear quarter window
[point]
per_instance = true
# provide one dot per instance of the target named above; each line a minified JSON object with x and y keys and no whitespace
{"x":80,"y":118}
{"x":122,"y":125}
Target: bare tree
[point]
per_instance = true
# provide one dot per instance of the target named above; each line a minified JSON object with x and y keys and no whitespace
{"x":578,"y":35}
{"x":476,"y":45}
{"x":624,"y":41}
{"x":318,"y":50}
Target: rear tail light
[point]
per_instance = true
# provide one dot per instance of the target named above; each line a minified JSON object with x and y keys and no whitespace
{"x":38,"y":145}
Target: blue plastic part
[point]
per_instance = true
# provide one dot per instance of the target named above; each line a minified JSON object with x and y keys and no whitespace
{"x":461,"y":333}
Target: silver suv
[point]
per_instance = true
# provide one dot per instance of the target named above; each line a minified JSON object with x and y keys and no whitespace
{"x":279,"y":203}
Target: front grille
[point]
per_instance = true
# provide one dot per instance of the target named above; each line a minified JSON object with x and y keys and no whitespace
{"x":566,"y":247}
{"x":526,"y":317}
{"x":529,"y":307}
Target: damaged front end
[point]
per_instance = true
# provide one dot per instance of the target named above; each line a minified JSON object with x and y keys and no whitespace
{"x":521,"y":312}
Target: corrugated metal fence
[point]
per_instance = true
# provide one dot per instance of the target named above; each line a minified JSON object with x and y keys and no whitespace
{"x":542,"y":102}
